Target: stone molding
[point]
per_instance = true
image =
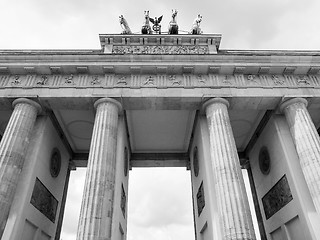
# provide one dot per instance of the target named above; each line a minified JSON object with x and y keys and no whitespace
{"x":159,"y":81}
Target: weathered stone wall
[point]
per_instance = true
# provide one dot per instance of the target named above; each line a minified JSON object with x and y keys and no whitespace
{"x":284,"y":208}
{"x":25,"y":220}
{"x":207,"y":223}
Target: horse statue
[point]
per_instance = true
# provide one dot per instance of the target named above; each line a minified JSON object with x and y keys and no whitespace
{"x":146,"y":28}
{"x":196,"y":25}
{"x":173,"y":26}
{"x":124,"y":25}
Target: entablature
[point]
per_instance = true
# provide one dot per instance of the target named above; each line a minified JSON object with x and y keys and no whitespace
{"x":159,"y":54}
{"x":136,"y":80}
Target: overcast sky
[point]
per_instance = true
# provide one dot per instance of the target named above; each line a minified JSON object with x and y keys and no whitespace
{"x":244,"y":24}
{"x":75,"y":24}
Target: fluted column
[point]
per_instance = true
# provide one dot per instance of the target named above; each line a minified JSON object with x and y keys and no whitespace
{"x":13,"y":148}
{"x":97,"y":203}
{"x":234,"y":212}
{"x":307,"y":142}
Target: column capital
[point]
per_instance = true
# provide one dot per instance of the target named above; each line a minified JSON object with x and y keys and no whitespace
{"x":289,"y":102}
{"x":111,"y":100}
{"x":213,"y":101}
{"x":27,"y":101}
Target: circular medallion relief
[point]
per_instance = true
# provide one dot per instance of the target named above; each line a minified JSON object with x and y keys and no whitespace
{"x":264,"y":161}
{"x":55,"y":163}
{"x":126,"y":161}
{"x":195,"y":162}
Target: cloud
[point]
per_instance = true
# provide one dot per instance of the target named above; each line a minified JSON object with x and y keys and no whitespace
{"x":73,"y":204}
{"x":159,"y":197}
{"x":162,"y":233}
{"x":252,"y":24}
{"x":161,"y":204}
{"x":76,"y":24}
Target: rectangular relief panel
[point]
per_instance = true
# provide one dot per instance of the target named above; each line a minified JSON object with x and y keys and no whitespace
{"x":123,"y":201}
{"x":43,"y":200}
{"x":200,"y":199}
{"x":277,"y":197}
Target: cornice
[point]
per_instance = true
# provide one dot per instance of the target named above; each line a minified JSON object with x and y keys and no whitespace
{"x":159,"y":54}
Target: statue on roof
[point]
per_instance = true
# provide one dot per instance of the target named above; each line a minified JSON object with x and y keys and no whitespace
{"x":196,"y":25}
{"x":156,"y":24}
{"x":173,"y":25}
{"x":146,"y":28}
{"x":124,"y":25}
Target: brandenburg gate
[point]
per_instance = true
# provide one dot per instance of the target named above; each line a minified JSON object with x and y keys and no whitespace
{"x":146,"y":100}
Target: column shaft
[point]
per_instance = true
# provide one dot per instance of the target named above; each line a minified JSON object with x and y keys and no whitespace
{"x":307,"y":142}
{"x":97,"y":204}
{"x":13,"y":148}
{"x":234,"y":213}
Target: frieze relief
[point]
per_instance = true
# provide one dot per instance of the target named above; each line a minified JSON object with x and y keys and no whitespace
{"x":159,"y":81}
{"x":69,"y":80}
{"x":160,"y":50}
{"x":16,"y":80}
{"x":43,"y":80}
{"x":95,"y":80}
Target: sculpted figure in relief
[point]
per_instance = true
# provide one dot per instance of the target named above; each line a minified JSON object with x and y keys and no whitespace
{"x":124,"y":24}
{"x":122,"y":80}
{"x":277,"y":80}
{"x":43,"y":80}
{"x":303,"y":80}
{"x":95,"y":80}
{"x":149,"y":80}
{"x":16,"y":80}
{"x":69,"y":79}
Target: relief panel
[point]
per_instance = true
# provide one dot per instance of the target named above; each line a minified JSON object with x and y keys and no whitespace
{"x":159,"y":81}
{"x":43,"y":200}
{"x":277,"y":197}
{"x":123,"y":201}
{"x":200,"y":199}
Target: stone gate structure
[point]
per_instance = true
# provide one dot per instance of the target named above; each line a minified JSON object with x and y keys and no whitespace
{"x":166,"y":101}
